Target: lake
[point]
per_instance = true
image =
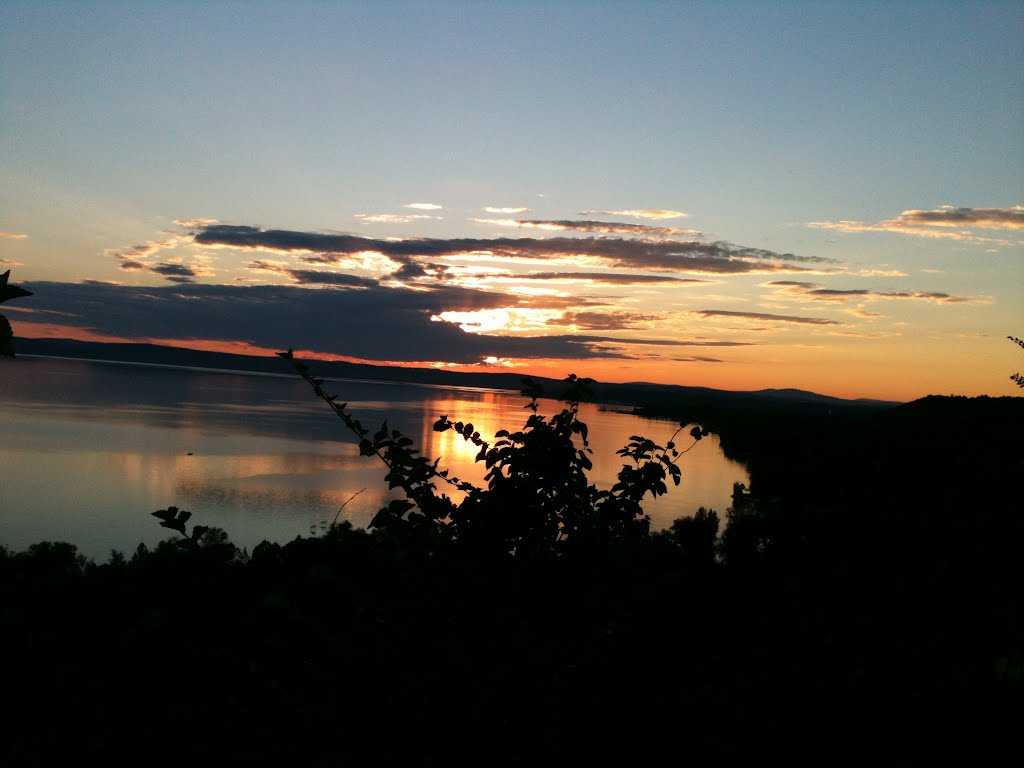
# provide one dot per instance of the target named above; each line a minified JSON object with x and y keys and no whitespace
{"x":89,"y":449}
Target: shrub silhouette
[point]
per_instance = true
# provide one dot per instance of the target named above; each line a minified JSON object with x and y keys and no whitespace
{"x":538,"y":496}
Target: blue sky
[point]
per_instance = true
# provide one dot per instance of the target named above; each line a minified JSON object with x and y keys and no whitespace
{"x":767,"y":124}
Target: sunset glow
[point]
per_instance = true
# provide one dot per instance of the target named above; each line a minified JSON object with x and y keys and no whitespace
{"x":690,"y":217}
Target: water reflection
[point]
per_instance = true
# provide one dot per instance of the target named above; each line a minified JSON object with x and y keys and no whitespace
{"x":90,"y":448}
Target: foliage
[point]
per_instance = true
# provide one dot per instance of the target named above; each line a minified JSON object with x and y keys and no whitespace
{"x":538,"y":496}
{"x":1017,"y":378}
{"x":7,"y":292}
{"x":175,"y":519}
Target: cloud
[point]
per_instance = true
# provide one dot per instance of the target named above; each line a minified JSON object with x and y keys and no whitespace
{"x":949,"y":216}
{"x":11,"y":263}
{"x":763,"y":316}
{"x":179,"y":273}
{"x":200,"y":222}
{"x":311,"y":276}
{"x":376,"y":323}
{"x":880,"y":273}
{"x":642,"y":230}
{"x":815,"y":292}
{"x":424,"y":206}
{"x":608,"y":278}
{"x":12,"y":235}
{"x":393,"y":218}
{"x":137,"y":257}
{"x":933,"y":296}
{"x":642,"y":213}
{"x":506,"y":211}
{"x":862,"y":313}
{"x":866,"y":334}
{"x":663,"y":256}
{"x":946,"y":222}
{"x":604,"y":321}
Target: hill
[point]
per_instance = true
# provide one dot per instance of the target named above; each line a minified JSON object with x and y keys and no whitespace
{"x":647,"y":397}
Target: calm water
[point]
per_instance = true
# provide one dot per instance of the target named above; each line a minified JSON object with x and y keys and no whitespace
{"x":88,"y":450}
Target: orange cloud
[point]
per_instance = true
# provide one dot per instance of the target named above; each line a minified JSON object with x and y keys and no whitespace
{"x":592,"y":226}
{"x":641,"y":213}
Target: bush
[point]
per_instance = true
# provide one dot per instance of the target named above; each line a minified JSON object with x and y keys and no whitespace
{"x":538,"y":497}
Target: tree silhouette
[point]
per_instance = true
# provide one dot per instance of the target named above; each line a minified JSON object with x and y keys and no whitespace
{"x":538,"y":495}
{"x":8,"y":291}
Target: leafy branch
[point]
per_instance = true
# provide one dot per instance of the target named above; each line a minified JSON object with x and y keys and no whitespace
{"x":1017,"y":378}
{"x":413,"y":473}
{"x":175,"y":519}
{"x":538,"y":493}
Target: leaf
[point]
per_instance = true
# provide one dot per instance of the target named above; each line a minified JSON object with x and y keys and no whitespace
{"x":399,"y":507}
{"x":382,"y":519}
{"x":174,"y":525}
{"x":166,"y":514}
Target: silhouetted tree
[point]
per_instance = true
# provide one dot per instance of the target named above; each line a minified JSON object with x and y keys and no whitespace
{"x":537,"y":495}
{"x":8,"y":292}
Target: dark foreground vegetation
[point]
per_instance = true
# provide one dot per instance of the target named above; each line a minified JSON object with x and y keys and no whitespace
{"x":863,"y":601}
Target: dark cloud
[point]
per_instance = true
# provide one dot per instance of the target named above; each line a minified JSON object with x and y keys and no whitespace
{"x":665,"y":255}
{"x":316,"y":277}
{"x":944,"y":222}
{"x":764,"y":316}
{"x":373,"y":323}
{"x":174,"y":270}
{"x":939,"y":298}
{"x":130,"y":264}
{"x":988,"y":218}
{"x":313,"y":276}
{"x":604,"y":321}
{"x":816,"y":292}
{"x":828,"y":293}
{"x":410,"y":271}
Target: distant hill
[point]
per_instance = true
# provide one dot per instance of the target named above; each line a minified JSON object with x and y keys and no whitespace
{"x":748,"y":423}
{"x":646,"y":397}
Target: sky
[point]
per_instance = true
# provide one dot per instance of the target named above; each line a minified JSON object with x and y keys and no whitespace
{"x":819,"y":195}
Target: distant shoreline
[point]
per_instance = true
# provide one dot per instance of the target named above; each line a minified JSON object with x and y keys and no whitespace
{"x":618,"y":395}
{"x":267,"y":374}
